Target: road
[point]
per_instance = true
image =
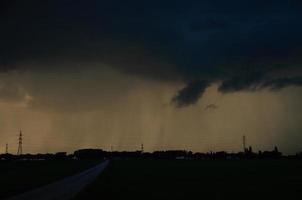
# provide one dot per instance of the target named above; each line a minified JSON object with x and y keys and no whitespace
{"x":63,"y":189}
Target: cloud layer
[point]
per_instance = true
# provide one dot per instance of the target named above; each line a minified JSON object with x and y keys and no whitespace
{"x":241,"y":45}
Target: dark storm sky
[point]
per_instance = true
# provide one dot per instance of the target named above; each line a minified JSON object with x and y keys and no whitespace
{"x":95,"y":52}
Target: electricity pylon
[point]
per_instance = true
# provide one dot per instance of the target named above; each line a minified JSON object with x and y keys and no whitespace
{"x":20,"y":144}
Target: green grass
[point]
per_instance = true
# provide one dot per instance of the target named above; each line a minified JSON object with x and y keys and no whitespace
{"x":188,"y":179}
{"x":20,"y":176}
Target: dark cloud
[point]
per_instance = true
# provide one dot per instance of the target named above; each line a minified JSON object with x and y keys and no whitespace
{"x":238,"y":84}
{"x":209,"y":24}
{"x":244,"y":45}
{"x":243,"y":81}
{"x":280,"y":83}
{"x":190,"y":93}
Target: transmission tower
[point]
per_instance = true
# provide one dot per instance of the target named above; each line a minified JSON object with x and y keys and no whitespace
{"x":244,"y":143}
{"x":20,"y":144}
{"x":6,"y":148}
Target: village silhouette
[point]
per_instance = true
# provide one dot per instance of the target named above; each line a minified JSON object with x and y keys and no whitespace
{"x":169,"y":154}
{"x":247,"y":153}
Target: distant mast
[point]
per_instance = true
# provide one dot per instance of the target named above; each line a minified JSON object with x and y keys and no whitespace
{"x":20,"y":144}
{"x":244,"y":143}
{"x":6,"y":148}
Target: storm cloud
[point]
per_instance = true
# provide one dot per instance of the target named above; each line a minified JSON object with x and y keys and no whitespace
{"x":248,"y":45}
{"x":190,"y":94}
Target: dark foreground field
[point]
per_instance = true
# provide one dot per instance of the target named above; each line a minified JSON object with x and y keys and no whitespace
{"x":20,"y":176}
{"x":189,"y":179}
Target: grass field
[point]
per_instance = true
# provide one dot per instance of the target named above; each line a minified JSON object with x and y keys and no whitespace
{"x":191,"y":179}
{"x":19,"y":176}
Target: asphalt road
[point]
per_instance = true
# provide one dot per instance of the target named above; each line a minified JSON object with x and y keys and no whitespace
{"x":63,"y":189}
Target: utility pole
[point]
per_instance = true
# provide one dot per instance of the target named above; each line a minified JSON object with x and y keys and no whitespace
{"x":20,"y":144}
{"x":6,"y":148}
{"x":244,"y":143}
